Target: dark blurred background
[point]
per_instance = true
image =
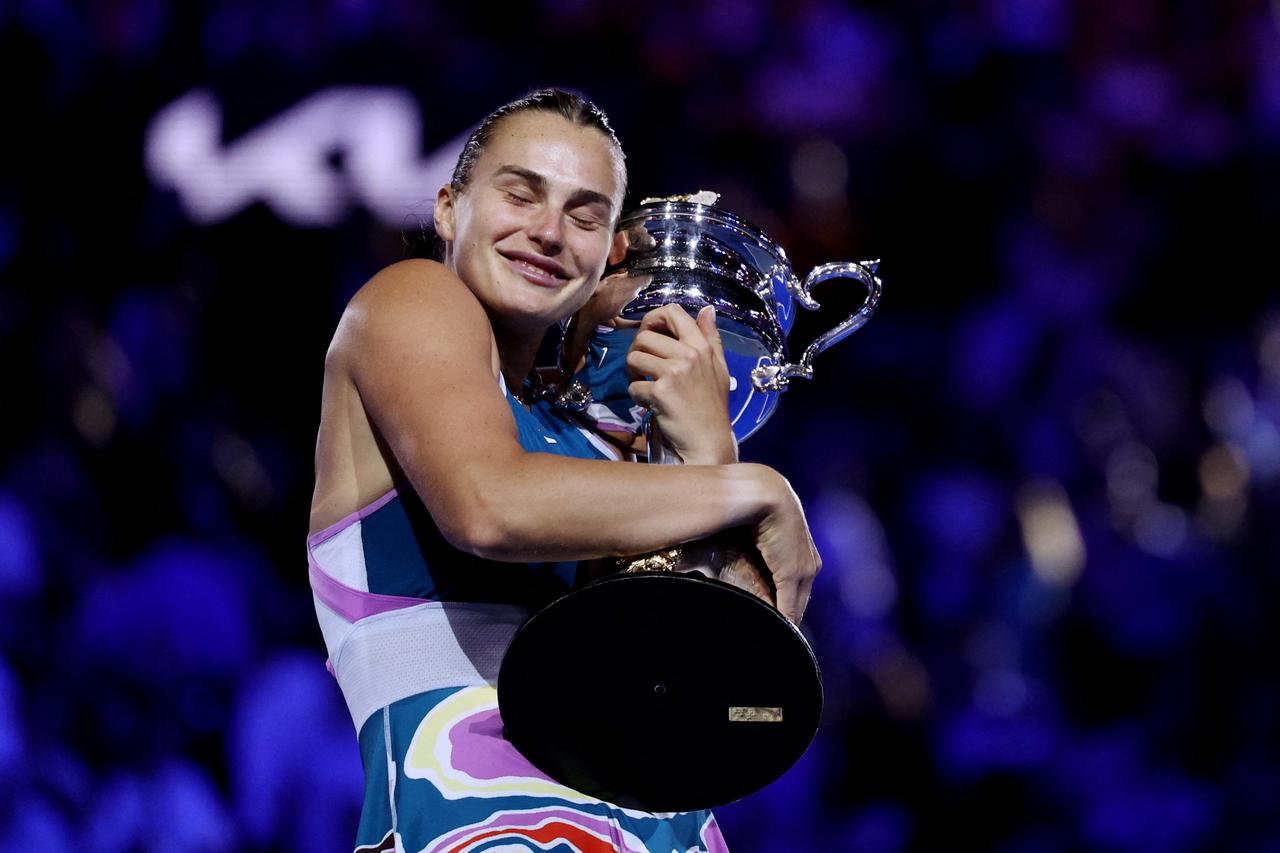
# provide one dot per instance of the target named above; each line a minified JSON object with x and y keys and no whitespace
{"x":1045,"y":478}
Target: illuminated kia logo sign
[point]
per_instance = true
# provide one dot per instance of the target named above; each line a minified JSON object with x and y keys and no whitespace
{"x":310,"y":164}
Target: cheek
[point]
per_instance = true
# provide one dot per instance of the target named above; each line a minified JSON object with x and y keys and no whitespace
{"x":592,"y":248}
{"x":581,"y":297}
{"x":479,"y":222}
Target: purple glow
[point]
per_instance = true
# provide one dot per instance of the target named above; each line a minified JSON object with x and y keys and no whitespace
{"x":10,"y":234}
{"x":833,"y":83}
{"x":180,"y":601}
{"x":995,"y":349}
{"x":964,"y":510}
{"x":297,"y":768}
{"x":1265,"y":94}
{"x":34,"y":824}
{"x":974,"y":744}
{"x":19,"y":555}
{"x":881,"y":827}
{"x":177,"y":802}
{"x":1133,"y":95}
{"x":11,"y":736}
{"x":1158,"y":812}
{"x":1032,"y":24}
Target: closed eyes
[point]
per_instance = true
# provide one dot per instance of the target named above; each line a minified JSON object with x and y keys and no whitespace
{"x":585,"y":222}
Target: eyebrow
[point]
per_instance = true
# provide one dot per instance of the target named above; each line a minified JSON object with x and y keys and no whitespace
{"x":582,"y":194}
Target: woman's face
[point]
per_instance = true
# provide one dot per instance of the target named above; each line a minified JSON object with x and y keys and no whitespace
{"x":531,"y":232}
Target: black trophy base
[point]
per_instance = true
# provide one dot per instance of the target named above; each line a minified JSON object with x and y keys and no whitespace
{"x":661,"y":692}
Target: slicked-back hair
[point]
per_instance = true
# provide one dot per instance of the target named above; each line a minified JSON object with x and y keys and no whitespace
{"x":570,"y":106}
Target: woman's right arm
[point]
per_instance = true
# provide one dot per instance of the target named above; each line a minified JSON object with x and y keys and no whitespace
{"x":420,"y":351}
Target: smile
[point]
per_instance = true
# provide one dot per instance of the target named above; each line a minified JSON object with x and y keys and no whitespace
{"x":538,"y":270}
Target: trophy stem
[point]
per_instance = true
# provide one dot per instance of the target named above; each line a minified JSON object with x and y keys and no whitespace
{"x":660,"y":452}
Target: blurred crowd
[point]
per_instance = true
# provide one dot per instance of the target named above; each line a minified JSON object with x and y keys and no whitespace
{"x":1045,"y":479}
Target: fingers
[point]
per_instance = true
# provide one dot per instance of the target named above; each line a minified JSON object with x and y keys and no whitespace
{"x":656,"y":343}
{"x":641,"y":391}
{"x":653,"y":354}
{"x":793,"y":595}
{"x":788,"y":598}
{"x":707,"y":323}
{"x":687,"y":372}
{"x":803,"y":591}
{"x":673,"y":320}
{"x":643,"y":365}
{"x":669,"y":332}
{"x":782,"y":537}
{"x":637,"y":238}
{"x":615,"y":291}
{"x":610,"y":297}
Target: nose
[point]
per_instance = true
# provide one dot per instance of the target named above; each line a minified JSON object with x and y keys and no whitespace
{"x":546,"y":230}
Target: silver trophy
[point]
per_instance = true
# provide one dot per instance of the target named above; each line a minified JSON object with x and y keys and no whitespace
{"x":696,"y":254}
{"x":673,"y":683}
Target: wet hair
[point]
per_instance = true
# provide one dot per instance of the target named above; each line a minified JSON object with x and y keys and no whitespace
{"x":571,"y":106}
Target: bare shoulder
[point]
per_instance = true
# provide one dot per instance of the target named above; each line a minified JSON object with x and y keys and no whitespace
{"x":412,"y":355}
{"x":410,"y":282}
{"x":413,"y":300}
{"x":417,"y":287}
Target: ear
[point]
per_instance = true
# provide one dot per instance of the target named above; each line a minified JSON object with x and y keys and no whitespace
{"x":618,"y":251}
{"x":444,"y":214}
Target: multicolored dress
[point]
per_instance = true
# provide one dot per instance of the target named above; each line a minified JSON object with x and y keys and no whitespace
{"x":415,"y":631}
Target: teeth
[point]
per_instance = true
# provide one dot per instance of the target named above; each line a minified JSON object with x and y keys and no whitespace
{"x":534,"y":268}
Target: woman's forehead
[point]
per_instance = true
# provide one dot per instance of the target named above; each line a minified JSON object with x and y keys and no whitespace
{"x":563,"y":153}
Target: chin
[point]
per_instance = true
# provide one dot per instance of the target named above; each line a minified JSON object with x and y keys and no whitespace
{"x":547,"y":311}
{"x":532,"y":316}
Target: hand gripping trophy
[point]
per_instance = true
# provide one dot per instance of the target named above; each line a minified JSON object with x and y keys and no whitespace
{"x":674,"y":683}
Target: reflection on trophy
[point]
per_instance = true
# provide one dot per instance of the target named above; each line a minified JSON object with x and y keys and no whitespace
{"x":674,"y":684}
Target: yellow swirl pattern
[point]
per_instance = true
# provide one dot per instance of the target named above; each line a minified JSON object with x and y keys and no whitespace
{"x":430,"y":754}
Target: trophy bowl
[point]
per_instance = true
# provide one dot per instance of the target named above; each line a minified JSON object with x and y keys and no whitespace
{"x":697,"y":254}
{"x":675,"y":684}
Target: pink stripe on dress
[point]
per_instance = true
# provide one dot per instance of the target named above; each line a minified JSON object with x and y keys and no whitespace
{"x":342,"y":524}
{"x":348,"y":602}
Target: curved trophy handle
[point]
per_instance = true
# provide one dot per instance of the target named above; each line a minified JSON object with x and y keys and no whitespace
{"x":774,"y":377}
